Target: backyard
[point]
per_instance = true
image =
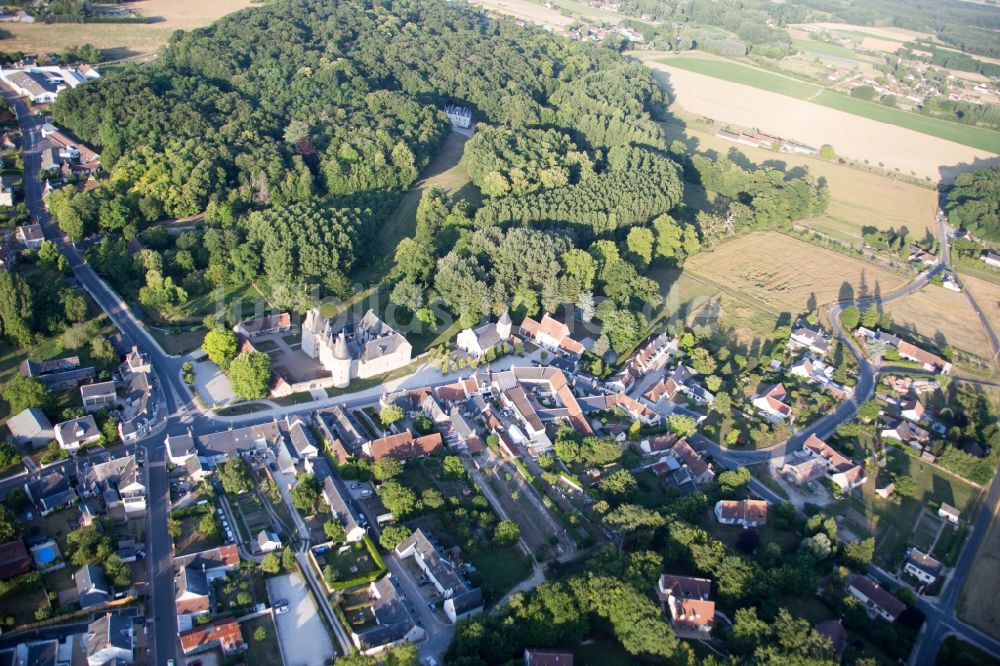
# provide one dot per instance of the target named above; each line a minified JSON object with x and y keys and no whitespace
{"x":239,"y":592}
{"x":897,"y":521}
{"x":979,"y":603}
{"x":190,"y":539}
{"x":264,"y":651}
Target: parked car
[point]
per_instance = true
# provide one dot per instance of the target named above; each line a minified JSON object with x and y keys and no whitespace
{"x":356,"y":486}
{"x":366,"y":493}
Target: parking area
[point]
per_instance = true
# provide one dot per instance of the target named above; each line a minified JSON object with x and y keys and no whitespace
{"x":301,"y":632}
{"x":211,"y":383}
{"x":434,"y":622}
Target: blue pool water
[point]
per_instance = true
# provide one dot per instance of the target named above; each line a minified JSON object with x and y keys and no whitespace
{"x":46,"y":555}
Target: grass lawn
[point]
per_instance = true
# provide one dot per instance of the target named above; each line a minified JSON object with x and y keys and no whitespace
{"x":23,"y":604}
{"x":266,"y":651}
{"x":348,"y":561}
{"x":810,"y":608}
{"x":193,"y":541}
{"x":500,"y":569}
{"x":175,"y":341}
{"x":300,"y":398}
{"x":55,"y":525}
{"x":730,"y":534}
{"x":950,"y":543}
{"x":370,"y":382}
{"x":955,"y":652}
{"x":726,"y":70}
{"x":243,"y":408}
{"x":445,"y":172}
{"x":895,"y":518}
{"x":979,"y":603}
{"x":602,"y":652}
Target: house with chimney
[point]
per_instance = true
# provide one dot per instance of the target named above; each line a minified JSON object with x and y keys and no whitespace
{"x":50,"y":492}
{"x":771,"y":403}
{"x":341,"y":509}
{"x":391,"y":623}
{"x":120,"y":481}
{"x":878,"y":601}
{"x":273,"y":324}
{"x":402,"y":446}
{"x":687,"y":601}
{"x":223,"y":634}
{"x":98,"y":396}
{"x":840,"y":469}
{"x":922,"y":566}
{"x":552,"y":335}
{"x":814,"y":341}
{"x":110,"y":640}
{"x":460,"y":599}
{"x":745,"y":512}
{"x":73,"y":434}
{"x":477,"y":342}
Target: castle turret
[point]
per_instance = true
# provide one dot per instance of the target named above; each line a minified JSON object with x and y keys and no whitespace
{"x":341,"y":365}
{"x":503,"y":326}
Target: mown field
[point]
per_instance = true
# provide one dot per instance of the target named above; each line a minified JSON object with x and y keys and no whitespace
{"x":121,"y":40}
{"x":858,"y":198}
{"x":941,"y":315}
{"x":784,"y":274}
{"x":825,"y":48}
{"x":736,"y":73}
{"x":979,"y":603}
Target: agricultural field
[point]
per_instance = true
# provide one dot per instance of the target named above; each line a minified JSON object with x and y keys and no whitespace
{"x":784,"y":274}
{"x":757,"y":78}
{"x":850,"y":135}
{"x":857,"y":198}
{"x":979,"y":604}
{"x":987,"y":295}
{"x":942,"y":316}
{"x":121,"y":40}
{"x":527,"y":10}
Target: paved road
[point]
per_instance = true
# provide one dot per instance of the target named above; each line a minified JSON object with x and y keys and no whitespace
{"x":177,"y":399}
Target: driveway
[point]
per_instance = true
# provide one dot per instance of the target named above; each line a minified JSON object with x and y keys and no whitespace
{"x":303,"y":637}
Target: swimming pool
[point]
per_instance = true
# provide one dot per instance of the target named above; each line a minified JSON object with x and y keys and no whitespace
{"x":45,"y":555}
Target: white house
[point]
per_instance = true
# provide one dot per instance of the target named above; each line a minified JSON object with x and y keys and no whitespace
{"x":459,"y":116}
{"x":949,"y":513}
{"x":806,"y":338}
{"x":73,"y":434}
{"x":877,"y":600}
{"x":771,"y":403}
{"x":268,"y":541}
{"x":476,"y":342}
{"x":922,"y":566}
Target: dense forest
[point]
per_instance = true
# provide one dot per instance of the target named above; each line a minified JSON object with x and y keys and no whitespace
{"x":296,"y":128}
{"x":974,"y":202}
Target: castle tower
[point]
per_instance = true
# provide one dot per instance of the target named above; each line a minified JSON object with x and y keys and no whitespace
{"x":341,"y":366}
{"x":311,"y":328}
{"x":503,"y":326}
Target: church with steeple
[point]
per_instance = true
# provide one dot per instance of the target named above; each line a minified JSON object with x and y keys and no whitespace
{"x":362,"y":349}
{"x":476,"y":342}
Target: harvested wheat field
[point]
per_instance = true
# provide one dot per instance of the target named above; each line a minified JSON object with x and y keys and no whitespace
{"x":122,"y":40}
{"x":979,"y":603}
{"x":850,"y":135}
{"x":785,"y":274}
{"x":987,"y":295}
{"x":857,"y":198}
{"x":943,"y":316}
{"x":527,"y":10}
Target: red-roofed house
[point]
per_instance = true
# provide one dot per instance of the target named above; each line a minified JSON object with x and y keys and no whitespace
{"x":877,"y":600}
{"x":267,"y":325}
{"x":14,"y":559}
{"x":931,"y":362}
{"x":551,"y":334}
{"x":402,"y":446}
{"x":746,"y":512}
{"x":771,"y":403}
{"x":686,"y":599}
{"x":839,"y":468}
{"x":225,"y":635}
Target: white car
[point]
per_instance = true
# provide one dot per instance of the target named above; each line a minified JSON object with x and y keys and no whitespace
{"x":280,"y":610}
